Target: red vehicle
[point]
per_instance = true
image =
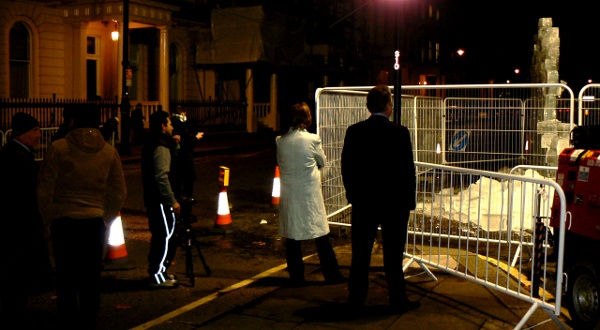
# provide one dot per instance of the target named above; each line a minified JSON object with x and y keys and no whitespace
{"x":579,"y":176}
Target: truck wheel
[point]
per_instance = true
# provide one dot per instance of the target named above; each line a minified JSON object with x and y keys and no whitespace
{"x":583,"y":303}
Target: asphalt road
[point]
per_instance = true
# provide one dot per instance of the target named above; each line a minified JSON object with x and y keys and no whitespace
{"x":247,"y":247}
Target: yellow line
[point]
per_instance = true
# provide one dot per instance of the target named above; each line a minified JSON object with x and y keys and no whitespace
{"x":513,"y":271}
{"x":211,"y":297}
{"x":516,"y":275}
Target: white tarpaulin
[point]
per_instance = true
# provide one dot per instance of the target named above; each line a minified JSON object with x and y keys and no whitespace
{"x":250,"y":35}
{"x":492,"y":205}
{"x":236,"y":36}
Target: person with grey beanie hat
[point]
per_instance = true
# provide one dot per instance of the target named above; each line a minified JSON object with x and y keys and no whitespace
{"x":23,"y":123}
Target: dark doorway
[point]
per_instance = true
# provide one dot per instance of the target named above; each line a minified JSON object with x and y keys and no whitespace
{"x":92,"y":79}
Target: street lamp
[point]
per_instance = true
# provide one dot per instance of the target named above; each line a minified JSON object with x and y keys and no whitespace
{"x":125,"y":147}
{"x":115,"y":34}
{"x":397,"y":72}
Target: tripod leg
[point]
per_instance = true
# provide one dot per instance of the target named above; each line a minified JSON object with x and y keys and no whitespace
{"x":206,"y":268}
{"x":189,"y":263}
{"x":197,"y":245}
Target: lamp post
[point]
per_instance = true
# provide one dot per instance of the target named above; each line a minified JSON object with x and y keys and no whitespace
{"x":125,"y":147}
{"x":397,"y":72}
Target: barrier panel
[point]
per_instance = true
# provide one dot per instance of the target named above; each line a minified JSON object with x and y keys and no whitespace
{"x":473,"y":224}
{"x":488,"y":127}
{"x":588,"y":105}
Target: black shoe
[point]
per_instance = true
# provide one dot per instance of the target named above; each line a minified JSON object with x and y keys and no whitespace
{"x":297,"y":283}
{"x":336,"y":280}
{"x":354,"y":308}
{"x":404,"y":307}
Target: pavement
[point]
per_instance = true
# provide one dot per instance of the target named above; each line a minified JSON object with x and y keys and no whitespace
{"x":266,"y":301}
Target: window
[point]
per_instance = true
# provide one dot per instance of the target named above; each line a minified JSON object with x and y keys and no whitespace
{"x":91,"y":46}
{"x":92,"y":68}
{"x":20,"y":61}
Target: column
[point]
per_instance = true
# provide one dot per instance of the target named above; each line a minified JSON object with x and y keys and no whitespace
{"x":163,"y":94}
{"x":79,"y":60}
{"x":273,"y":116}
{"x":251,"y":120}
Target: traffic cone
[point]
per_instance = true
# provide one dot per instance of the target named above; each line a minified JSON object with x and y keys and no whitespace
{"x":116,"y":253}
{"x":276,"y":190}
{"x":223,"y":221}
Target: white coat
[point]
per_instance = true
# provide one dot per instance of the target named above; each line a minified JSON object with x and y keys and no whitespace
{"x":301,"y":208}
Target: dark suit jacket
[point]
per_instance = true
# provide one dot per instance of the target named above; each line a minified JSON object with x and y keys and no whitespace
{"x":23,"y":248}
{"x":377,"y":164}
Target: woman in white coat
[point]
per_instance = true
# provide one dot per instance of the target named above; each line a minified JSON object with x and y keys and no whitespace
{"x":301,"y":209}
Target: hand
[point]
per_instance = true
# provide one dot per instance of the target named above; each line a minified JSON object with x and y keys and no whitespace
{"x":177,"y":138}
{"x":199,"y":135}
{"x":177,"y":208}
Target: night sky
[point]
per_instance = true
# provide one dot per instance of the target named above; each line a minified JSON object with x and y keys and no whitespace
{"x":498,"y":36}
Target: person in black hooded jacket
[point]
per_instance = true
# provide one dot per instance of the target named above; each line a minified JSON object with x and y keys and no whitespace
{"x":184,"y":170}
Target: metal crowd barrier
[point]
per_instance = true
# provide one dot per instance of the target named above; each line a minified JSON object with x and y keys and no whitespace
{"x":482,"y":226}
{"x":473,"y":223}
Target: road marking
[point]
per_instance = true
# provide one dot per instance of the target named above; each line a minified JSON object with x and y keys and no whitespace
{"x":521,"y":278}
{"x":211,"y":297}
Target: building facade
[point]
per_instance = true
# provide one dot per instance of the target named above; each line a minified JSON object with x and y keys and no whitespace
{"x":277,"y":53}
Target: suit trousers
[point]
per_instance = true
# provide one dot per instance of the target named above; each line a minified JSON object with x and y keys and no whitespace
{"x":366,"y":218}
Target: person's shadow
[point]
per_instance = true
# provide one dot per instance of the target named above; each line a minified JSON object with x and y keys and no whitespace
{"x":335,"y":312}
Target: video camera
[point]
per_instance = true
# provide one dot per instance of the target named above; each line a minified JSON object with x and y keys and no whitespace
{"x":186,"y":215}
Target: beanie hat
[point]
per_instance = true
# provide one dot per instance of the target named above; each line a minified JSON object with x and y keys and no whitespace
{"x":23,"y":123}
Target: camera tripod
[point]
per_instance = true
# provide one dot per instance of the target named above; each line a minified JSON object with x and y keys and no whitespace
{"x":186,"y":237}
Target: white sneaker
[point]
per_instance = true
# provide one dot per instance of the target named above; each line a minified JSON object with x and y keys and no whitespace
{"x":169,"y":283}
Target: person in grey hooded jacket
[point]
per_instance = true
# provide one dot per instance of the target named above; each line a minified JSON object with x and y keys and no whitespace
{"x":81,"y":188}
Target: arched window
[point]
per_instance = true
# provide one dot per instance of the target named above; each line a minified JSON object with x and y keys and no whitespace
{"x":20,"y":61}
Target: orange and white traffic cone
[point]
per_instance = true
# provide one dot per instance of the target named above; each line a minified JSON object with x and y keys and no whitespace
{"x":116,"y":253}
{"x":276,"y":193}
{"x":223,"y":221}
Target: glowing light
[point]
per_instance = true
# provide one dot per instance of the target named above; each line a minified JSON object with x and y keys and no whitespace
{"x":115,"y":34}
{"x":588,"y":98}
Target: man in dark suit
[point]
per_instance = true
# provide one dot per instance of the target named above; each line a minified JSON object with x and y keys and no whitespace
{"x":379,"y":176}
{"x":23,"y":245}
